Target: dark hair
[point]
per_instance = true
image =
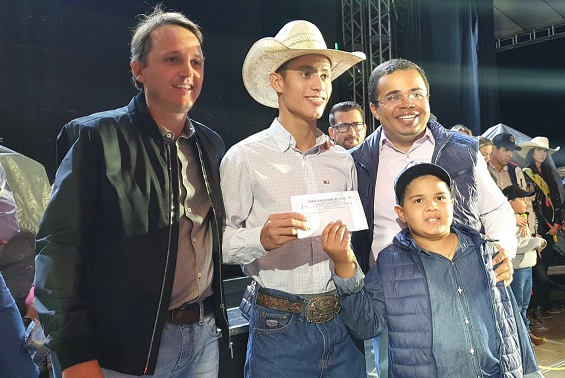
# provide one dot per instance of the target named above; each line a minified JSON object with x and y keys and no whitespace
{"x":545,"y":169}
{"x":345,"y":106}
{"x":140,"y":44}
{"x":400,"y":199}
{"x":389,"y":67}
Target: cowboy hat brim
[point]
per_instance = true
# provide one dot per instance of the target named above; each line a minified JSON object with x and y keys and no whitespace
{"x":268,"y":54}
{"x":527,"y":146}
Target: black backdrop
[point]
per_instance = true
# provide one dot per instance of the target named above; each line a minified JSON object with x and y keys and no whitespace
{"x":523,"y":88}
{"x":454,"y":42}
{"x":61,"y":59}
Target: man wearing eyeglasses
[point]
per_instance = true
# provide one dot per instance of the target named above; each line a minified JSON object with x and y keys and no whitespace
{"x":347,"y":124}
{"x":399,"y":98}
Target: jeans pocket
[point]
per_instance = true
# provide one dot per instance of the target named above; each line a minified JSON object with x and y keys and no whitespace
{"x":210,"y":324}
{"x":272,"y":321}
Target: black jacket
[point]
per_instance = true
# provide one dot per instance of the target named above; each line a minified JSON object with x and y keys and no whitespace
{"x":107,"y":244}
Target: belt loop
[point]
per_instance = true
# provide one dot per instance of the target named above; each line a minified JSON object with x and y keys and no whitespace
{"x":201,"y":317}
{"x":304,"y":305}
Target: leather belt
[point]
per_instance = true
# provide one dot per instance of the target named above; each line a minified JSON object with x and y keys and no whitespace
{"x":320,"y":309}
{"x":188,"y":314}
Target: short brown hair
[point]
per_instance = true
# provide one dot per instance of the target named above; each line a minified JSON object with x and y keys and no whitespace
{"x":140,"y":45}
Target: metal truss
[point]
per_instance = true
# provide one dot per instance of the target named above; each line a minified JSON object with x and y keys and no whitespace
{"x":367,"y":28}
{"x":530,"y":37}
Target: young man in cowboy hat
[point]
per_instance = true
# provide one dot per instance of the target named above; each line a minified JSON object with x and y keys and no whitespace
{"x":295,"y":328}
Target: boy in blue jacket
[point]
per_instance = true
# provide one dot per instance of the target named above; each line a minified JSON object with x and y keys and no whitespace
{"x":434,"y":288}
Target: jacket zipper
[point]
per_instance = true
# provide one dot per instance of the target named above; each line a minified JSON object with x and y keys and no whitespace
{"x":222,"y":305}
{"x":171,"y":198}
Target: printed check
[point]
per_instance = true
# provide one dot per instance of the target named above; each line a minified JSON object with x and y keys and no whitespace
{"x":323,"y":208}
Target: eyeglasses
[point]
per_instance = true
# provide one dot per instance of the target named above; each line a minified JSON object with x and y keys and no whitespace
{"x":344,"y":127}
{"x":396,"y":99}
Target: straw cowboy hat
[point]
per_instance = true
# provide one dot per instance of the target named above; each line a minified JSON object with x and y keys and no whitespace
{"x":295,"y":39}
{"x":537,"y":142}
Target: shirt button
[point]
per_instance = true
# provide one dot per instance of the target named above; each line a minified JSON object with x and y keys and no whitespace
{"x":472,"y":351}
{"x":317,"y":238}
{"x":194,"y":240}
{"x":459,"y":290}
{"x":199,"y":275}
{"x":189,"y":209}
{"x":466,"y":321}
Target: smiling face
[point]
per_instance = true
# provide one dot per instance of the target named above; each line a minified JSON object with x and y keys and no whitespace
{"x":174,"y":70}
{"x":404,"y":123}
{"x":304,"y":88}
{"x":427,"y":208}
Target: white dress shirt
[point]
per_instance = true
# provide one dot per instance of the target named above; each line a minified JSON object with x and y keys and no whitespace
{"x":258,"y":177}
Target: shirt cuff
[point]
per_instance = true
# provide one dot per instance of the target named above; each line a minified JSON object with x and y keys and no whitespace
{"x":253,"y":243}
{"x":347,"y":286}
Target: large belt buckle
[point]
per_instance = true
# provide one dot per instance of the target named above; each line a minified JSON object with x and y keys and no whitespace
{"x":322,"y":309}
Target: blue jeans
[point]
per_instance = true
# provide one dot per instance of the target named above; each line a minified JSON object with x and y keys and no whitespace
{"x":283,"y":344}
{"x":187,"y":350}
{"x":15,"y":361}
{"x":522,"y":289}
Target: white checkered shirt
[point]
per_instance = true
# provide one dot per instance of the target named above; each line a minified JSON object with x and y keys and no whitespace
{"x":258,"y":177}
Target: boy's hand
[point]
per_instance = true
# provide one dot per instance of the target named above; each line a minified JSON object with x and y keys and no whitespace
{"x":543,"y":244}
{"x":521,"y":221}
{"x":336,"y":239}
{"x":524,"y":231}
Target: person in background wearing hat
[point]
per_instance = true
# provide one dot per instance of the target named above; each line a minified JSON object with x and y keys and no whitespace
{"x":526,"y":256}
{"x":128,"y":267}
{"x":446,"y":314}
{"x":506,"y":173}
{"x":548,"y":207}
{"x":292,"y":72}
{"x":399,"y":98}
{"x":347,"y":124}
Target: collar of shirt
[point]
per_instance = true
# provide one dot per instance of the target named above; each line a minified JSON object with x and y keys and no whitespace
{"x":384,"y":141}
{"x":493,"y":168}
{"x":463,"y":244}
{"x":187,"y":132}
{"x":285,"y":140}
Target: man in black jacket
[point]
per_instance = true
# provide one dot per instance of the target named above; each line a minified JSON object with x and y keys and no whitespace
{"x":128,"y":252}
